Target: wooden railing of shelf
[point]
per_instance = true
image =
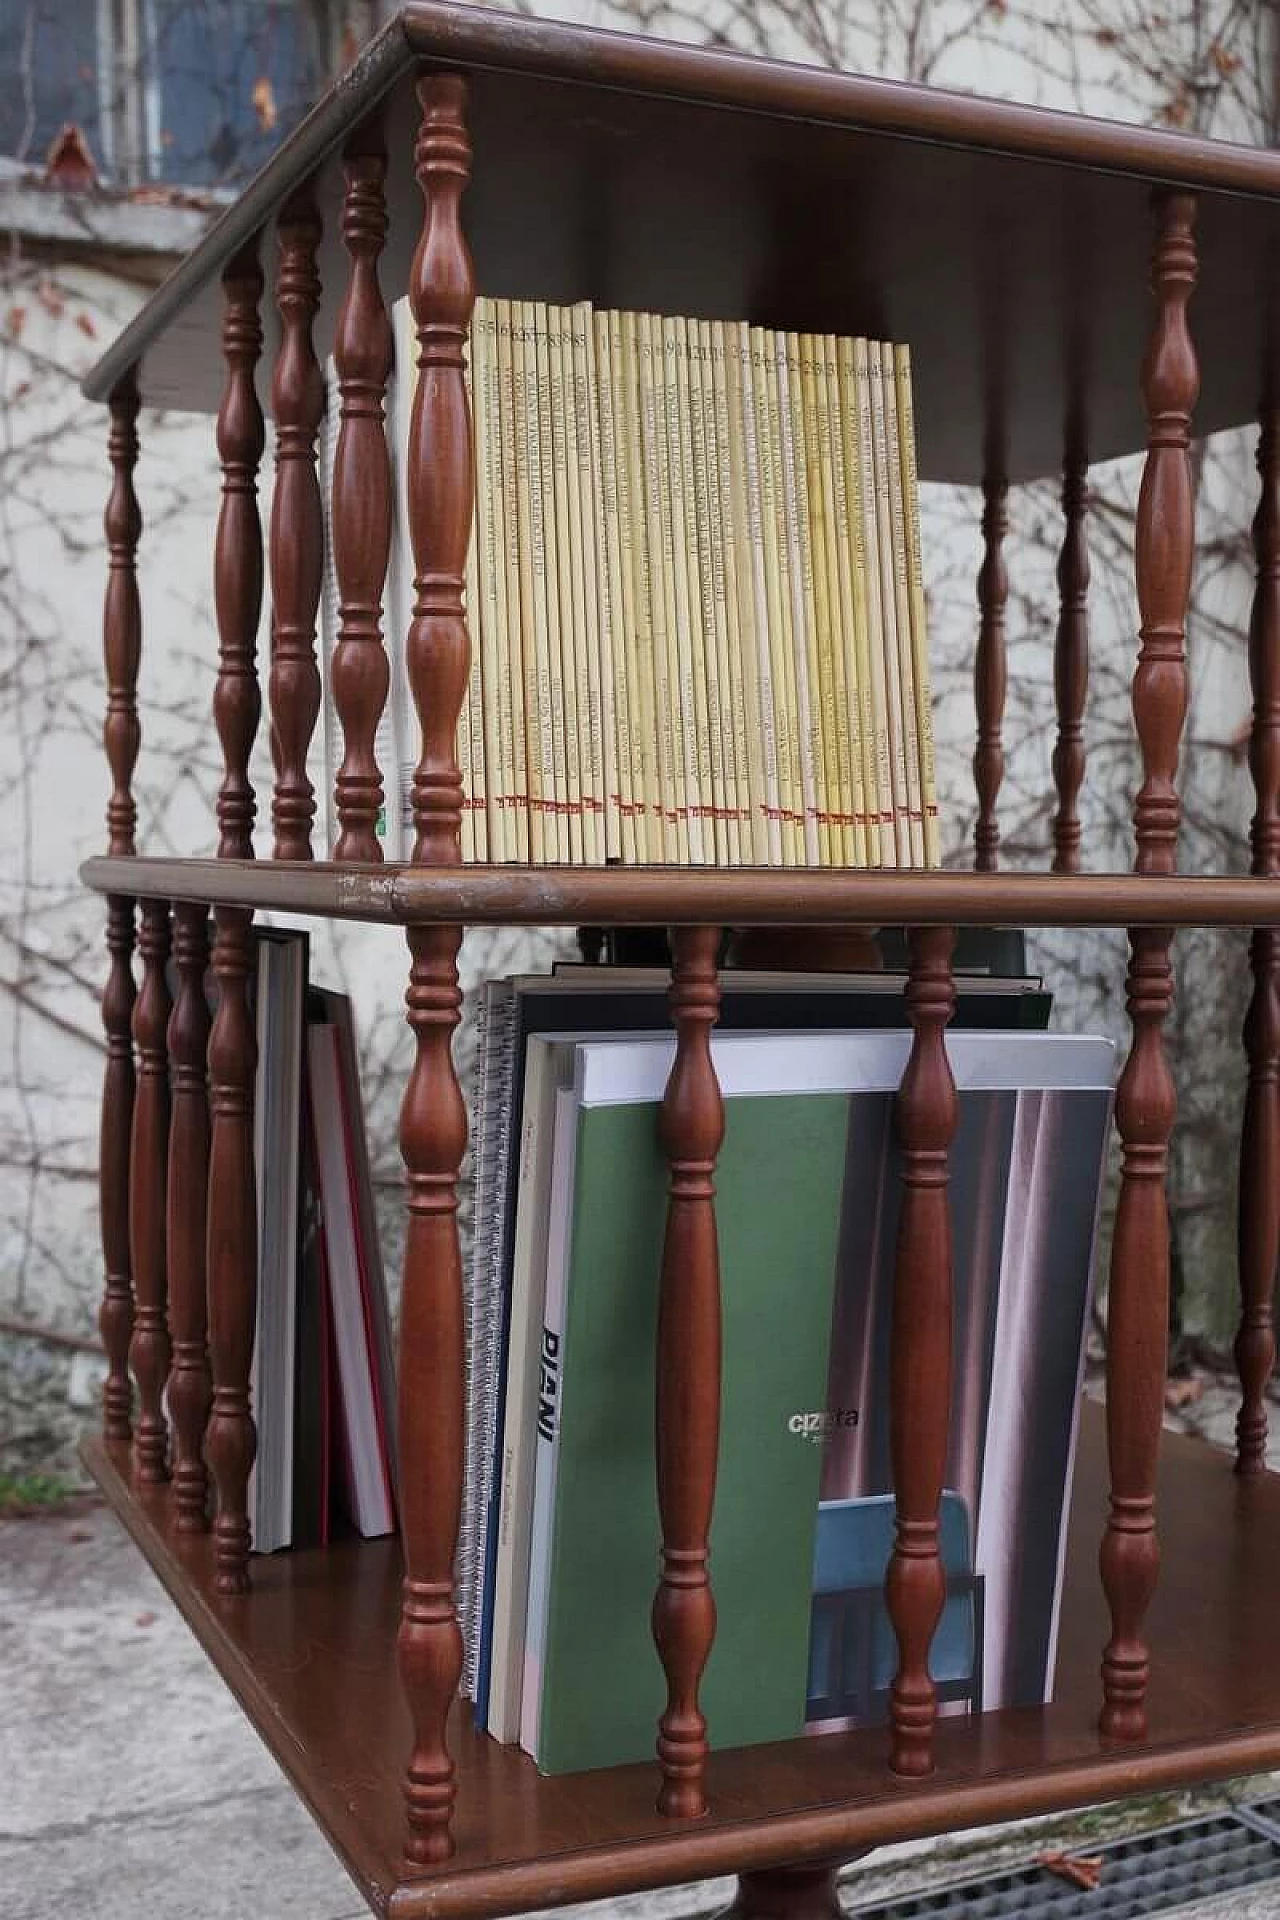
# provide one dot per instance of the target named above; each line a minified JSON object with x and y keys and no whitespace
{"x":178,"y":1306}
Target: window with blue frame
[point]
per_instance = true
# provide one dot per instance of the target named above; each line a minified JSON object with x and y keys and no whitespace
{"x":180,"y":92}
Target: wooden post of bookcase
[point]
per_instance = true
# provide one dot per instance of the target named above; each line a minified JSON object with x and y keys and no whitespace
{"x":989,"y":672}
{"x":688,"y":1370}
{"x":433,"y":1121}
{"x":190,"y":1385}
{"x":925,"y":1117}
{"x":1071,"y":661}
{"x":237,"y":706}
{"x":788,"y":1893}
{"x":1146,"y":1098}
{"x":149,"y":1351}
{"x":121,"y":644}
{"x":361,"y":507}
{"x":297,"y":529}
{"x":1259,"y":1198}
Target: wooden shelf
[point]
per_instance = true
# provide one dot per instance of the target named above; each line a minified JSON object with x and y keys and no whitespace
{"x":310,"y":1657}
{"x":689,"y":180}
{"x":650,"y":896}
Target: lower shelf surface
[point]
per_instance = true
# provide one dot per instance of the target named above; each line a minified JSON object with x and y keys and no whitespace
{"x":310,"y":1655}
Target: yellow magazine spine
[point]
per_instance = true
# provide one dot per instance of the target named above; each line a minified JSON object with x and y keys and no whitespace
{"x":582,"y":554}
{"x":691,"y":641}
{"x":726,"y":741}
{"x":875,"y":617}
{"x":839,"y":533}
{"x":818,"y":843}
{"x":615,"y":489}
{"x":514,"y":680}
{"x":603,"y":731}
{"x":490,"y":633}
{"x":672,"y":774}
{"x":533,"y":561}
{"x":826,"y":597}
{"x":724,"y":447}
{"x":902,"y":607}
{"x":763,"y":589}
{"x":888,"y":610}
{"x":557,"y":618}
{"x":655,"y":726}
{"x":817,"y":457}
{"x":919,"y":618}
{"x":764,"y":373}
{"x":471,"y":797}
{"x":476,"y":801}
{"x":875,"y":746}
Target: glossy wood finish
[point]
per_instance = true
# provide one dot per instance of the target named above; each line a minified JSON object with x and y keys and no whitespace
{"x":190,"y":1389}
{"x":237,"y":565}
{"x":231,"y":1247}
{"x":697,"y":180}
{"x":361,"y":508}
{"x":1071,"y":663}
{"x":989,"y":674}
{"x":786,"y":1893}
{"x":297,"y":529}
{"x":645,"y":897}
{"x":441,"y":478}
{"x":524,"y":1840}
{"x":433,"y":1138}
{"x":925,"y":1115}
{"x":688,"y":1371}
{"x":1259,"y":1198}
{"x":1146,"y":1098}
{"x":433,"y":1122}
{"x":232,"y":1234}
{"x":148,"y":1160}
{"x":122,"y":648}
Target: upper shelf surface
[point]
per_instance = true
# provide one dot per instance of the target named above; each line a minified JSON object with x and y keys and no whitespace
{"x":1009,"y":245}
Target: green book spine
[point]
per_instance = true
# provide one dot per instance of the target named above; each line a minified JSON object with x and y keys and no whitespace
{"x":603,"y":1687}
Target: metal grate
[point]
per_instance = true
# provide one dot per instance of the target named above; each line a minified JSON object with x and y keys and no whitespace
{"x":1149,"y":1873}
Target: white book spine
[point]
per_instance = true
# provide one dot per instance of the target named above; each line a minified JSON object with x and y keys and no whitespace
{"x":546,"y":1410}
{"x":528,"y":1278}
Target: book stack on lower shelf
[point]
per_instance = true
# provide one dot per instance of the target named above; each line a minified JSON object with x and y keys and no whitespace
{"x":323,"y":1375}
{"x":560,"y":1523}
{"x":695,"y":597}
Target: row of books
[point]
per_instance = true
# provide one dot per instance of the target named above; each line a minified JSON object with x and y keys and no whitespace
{"x":694,"y":590}
{"x":558,"y":1548}
{"x":322,"y":1382}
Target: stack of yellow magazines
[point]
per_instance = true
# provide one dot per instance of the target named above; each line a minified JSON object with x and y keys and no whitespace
{"x":694,"y":592}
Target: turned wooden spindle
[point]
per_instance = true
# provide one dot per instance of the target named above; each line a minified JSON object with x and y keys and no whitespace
{"x":122,"y":645}
{"x":433,"y":1125}
{"x":149,"y":1154}
{"x":237,"y":567}
{"x":1071,"y":664}
{"x":441,"y":483}
{"x":361,"y":509}
{"x":190,"y":1384}
{"x":297,"y":530}
{"x":1146,"y":1098}
{"x":989,"y":673}
{"x":231,"y":1247}
{"x":433,"y":1137}
{"x":232,"y":1229}
{"x":925,"y":1115}
{"x":1259,"y":1198}
{"x":688,"y":1370}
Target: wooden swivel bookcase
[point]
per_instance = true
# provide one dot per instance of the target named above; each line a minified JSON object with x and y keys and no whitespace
{"x":1030,"y":259}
